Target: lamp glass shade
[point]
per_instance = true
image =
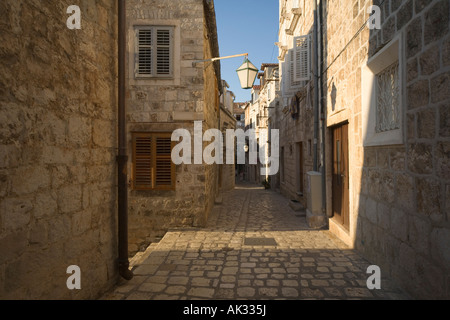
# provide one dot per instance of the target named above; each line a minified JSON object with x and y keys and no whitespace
{"x":247,"y":73}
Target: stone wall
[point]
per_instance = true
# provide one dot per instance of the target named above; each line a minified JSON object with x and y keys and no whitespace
{"x":166,"y":105}
{"x":211,"y":106}
{"x":298,"y":131}
{"x":57,"y":149}
{"x":227,"y":171}
{"x":399,"y":195}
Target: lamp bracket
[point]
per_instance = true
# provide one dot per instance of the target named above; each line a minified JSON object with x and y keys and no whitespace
{"x":219,"y":58}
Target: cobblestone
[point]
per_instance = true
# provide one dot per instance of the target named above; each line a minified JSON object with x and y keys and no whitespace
{"x":214,"y":263}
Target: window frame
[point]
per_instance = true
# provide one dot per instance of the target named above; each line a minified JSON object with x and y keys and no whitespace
{"x":391,"y":53}
{"x":154,"y":52}
{"x":153,"y":157}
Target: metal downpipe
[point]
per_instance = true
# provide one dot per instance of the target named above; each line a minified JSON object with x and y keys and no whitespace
{"x":122,"y":158}
{"x":323,"y":109}
{"x":316,"y":90}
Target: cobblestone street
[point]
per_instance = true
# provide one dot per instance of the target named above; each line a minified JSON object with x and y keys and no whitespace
{"x":254,"y":247}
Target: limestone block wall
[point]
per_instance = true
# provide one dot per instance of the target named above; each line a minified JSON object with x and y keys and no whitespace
{"x":57,"y":149}
{"x":164,"y":105}
{"x":399,"y":195}
{"x":211,"y":110}
{"x":227,"y":171}
{"x":300,"y":129}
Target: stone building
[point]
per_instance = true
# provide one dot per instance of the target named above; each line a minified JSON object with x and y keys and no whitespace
{"x":294,"y":114}
{"x":58,"y":136}
{"x":227,"y":172}
{"x":383,"y":130}
{"x":267,"y":100}
{"x":167,"y":90}
{"x":239,"y":114}
{"x":58,"y":103}
{"x":263,"y":98}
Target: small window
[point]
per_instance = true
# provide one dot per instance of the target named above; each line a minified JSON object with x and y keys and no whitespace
{"x":382,"y":98}
{"x":153,"y":168}
{"x":154,"y":52}
{"x":388,"y":99}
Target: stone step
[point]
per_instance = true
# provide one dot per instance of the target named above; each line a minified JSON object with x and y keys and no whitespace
{"x":296,"y":206}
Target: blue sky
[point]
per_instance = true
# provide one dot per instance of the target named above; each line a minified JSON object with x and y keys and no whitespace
{"x":246,"y":26}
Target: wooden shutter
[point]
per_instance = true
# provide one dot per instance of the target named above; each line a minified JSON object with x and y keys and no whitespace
{"x":163,"y":51}
{"x":154,"y":52}
{"x":302,"y":69}
{"x":164,"y":166}
{"x":292,"y":82}
{"x":144,"y":55}
{"x":153,"y":168}
{"x":143,"y":161}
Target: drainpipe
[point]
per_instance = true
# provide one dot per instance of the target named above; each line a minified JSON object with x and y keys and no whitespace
{"x":323,"y":108}
{"x":316,"y":89}
{"x":122,"y":158}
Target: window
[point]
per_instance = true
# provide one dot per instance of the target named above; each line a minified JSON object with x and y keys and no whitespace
{"x":302,"y":64}
{"x":154,"y":52}
{"x":388,"y":99}
{"x":153,"y":168}
{"x":295,"y":63}
{"x":382,"y":87}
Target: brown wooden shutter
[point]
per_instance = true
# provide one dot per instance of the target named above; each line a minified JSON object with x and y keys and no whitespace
{"x":143,"y":166}
{"x":164,"y":167}
{"x":153,"y":168}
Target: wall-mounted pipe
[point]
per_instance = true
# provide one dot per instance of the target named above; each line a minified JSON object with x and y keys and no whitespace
{"x":323,"y":109}
{"x":316,"y":89}
{"x":122,"y":158}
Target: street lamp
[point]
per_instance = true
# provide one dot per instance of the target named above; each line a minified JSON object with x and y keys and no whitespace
{"x":247,"y":74}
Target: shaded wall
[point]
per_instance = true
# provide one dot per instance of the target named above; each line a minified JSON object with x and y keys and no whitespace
{"x":399,"y":194}
{"x":57,"y":149}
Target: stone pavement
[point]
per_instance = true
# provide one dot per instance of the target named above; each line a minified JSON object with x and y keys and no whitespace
{"x":254,"y":247}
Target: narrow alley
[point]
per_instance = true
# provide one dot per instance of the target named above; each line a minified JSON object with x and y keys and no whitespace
{"x":254,"y":247}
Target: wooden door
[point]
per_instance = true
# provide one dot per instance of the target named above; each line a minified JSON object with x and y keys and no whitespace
{"x":340,"y":188}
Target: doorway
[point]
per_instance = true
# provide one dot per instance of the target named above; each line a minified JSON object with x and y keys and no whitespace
{"x":300,"y":171}
{"x":340,"y":181}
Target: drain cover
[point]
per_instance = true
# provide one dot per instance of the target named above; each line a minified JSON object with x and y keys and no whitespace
{"x":260,"y":242}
